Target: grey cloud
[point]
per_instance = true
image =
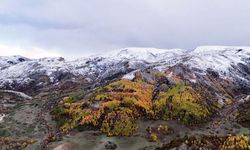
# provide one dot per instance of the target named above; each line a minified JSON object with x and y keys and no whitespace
{"x":79,"y":27}
{"x":8,"y":20}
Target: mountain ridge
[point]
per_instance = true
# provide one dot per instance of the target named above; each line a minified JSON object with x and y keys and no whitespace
{"x":218,"y":58}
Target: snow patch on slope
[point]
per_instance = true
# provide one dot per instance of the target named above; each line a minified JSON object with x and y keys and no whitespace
{"x":20,"y":94}
{"x":1,"y":117}
{"x":6,"y":61}
{"x":130,"y":76}
{"x":218,"y":58}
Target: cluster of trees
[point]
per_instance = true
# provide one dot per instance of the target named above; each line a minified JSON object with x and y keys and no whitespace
{"x":115,"y":108}
{"x":181,"y":102}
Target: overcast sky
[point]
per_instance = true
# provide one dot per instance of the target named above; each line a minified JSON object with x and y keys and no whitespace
{"x":77,"y":28}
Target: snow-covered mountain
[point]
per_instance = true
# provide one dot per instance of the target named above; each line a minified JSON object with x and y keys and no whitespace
{"x":228,"y":62}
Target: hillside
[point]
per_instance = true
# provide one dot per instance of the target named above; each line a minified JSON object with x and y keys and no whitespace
{"x":153,"y":98}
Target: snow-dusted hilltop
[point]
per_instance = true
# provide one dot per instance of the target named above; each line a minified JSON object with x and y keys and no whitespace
{"x":148,"y":54}
{"x":228,"y":62}
{"x":219,"y":58}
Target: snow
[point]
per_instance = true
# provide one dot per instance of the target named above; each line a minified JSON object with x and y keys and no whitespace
{"x":129,"y":76}
{"x":245,"y":99}
{"x":219,"y":58}
{"x":145,"y":54}
{"x":1,"y":117}
{"x":23,"y":95}
{"x":6,"y":61}
{"x":193,"y":80}
{"x":221,"y":102}
{"x":170,"y":74}
{"x":216,"y":49}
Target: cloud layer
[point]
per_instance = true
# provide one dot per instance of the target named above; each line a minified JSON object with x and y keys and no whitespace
{"x":77,"y":28}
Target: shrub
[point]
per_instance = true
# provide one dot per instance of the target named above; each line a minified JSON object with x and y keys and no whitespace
{"x":153,"y":137}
